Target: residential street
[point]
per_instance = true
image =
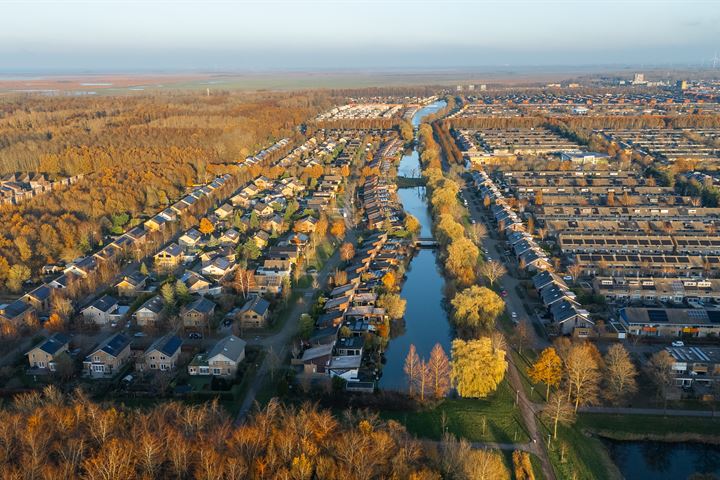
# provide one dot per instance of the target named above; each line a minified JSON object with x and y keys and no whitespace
{"x":528,"y":409}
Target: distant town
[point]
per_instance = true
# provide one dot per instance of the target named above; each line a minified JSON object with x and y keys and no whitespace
{"x":523,"y":275}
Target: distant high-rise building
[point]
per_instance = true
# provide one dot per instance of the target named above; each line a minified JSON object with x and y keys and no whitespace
{"x":638,"y":79}
{"x":483,"y":87}
{"x":471,"y":88}
{"x":459,"y":88}
{"x":682,"y":85}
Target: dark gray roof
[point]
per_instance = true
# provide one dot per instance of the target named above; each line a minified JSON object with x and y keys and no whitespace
{"x":54,"y":343}
{"x":257,"y":304}
{"x":202,"y":305}
{"x":104,"y":303}
{"x":15,"y":309}
{"x":113,"y":345}
{"x":168,"y":345}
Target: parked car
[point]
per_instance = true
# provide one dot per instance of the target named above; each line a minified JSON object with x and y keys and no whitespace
{"x":139,"y":334}
{"x":678,"y":343}
{"x":513,"y":314}
{"x":504,"y":293}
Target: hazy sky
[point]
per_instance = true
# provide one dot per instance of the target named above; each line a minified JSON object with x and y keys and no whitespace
{"x":101,"y":35}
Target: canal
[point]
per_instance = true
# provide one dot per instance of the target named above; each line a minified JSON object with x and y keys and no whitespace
{"x":426,"y":321}
{"x":661,"y":460}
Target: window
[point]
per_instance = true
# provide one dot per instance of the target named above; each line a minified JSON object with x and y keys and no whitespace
{"x":216,"y":371}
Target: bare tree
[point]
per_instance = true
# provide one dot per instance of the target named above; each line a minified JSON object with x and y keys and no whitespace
{"x":621,"y":373}
{"x":523,"y":334}
{"x":439,"y":371}
{"x":583,"y":376}
{"x":412,"y":368}
{"x":575,"y":270}
{"x":558,"y":410}
{"x":492,"y":270}
{"x":659,"y":369}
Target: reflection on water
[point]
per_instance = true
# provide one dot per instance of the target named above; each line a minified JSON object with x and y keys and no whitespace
{"x":663,"y":460}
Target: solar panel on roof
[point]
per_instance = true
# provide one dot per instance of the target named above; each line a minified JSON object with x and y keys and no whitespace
{"x":657,"y":315}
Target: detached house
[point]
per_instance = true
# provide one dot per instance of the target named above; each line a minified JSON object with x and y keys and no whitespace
{"x":255,"y":313}
{"x":162,"y":354}
{"x":197,"y":314}
{"x":222,"y":360}
{"x":224,"y":211}
{"x":169,"y":257}
{"x":45,"y":355}
{"x":131,"y":285}
{"x":102,"y":310}
{"x":39,"y":298}
{"x":306,"y":224}
{"x":109,"y":357}
{"x":149,"y":312}
{"x":190,"y":239}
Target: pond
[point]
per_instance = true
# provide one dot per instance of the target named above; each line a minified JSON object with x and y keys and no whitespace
{"x":663,"y":460}
{"x":426,"y":322}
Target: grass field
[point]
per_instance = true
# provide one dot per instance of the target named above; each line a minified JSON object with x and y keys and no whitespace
{"x":629,"y":427}
{"x":489,"y":420}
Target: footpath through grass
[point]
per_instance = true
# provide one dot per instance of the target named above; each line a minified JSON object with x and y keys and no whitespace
{"x":495,"y":419}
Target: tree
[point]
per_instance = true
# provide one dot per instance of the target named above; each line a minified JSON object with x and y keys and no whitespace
{"x":492,"y":270}
{"x":583,"y":375}
{"x":55,"y":323}
{"x":61,"y":306}
{"x":485,"y":464}
{"x":575,"y":270}
{"x":438,"y":367}
{"x":620,"y":373}
{"x":393,"y":304}
{"x":168,"y":294}
{"x":206,"y":227}
{"x":250,"y":250}
{"x":462,"y":257}
{"x":181,"y":291}
{"x":477,"y":368}
{"x":18,"y":274}
{"x":412,"y":224}
{"x":477,"y":308}
{"x":522,"y":465}
{"x":522,"y":334}
{"x":558,"y":410}
{"x":412,"y":368}
{"x":547,"y":369}
{"x":337,"y":229}
{"x":244,"y":279}
{"x":389,"y":280}
{"x":144,"y":269}
{"x":347,"y":251}
{"x":307,"y":325}
{"x":478,"y":231}
{"x":660,"y":371}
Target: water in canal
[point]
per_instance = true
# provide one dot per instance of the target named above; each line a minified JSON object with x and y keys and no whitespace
{"x":426,"y":322}
{"x":661,"y":460}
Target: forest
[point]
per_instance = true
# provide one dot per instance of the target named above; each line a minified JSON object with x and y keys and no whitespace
{"x":139,"y":154}
{"x":50,"y":435}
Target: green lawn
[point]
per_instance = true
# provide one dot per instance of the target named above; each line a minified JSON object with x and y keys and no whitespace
{"x":489,"y":420}
{"x":575,"y":455}
{"x":631,"y":426}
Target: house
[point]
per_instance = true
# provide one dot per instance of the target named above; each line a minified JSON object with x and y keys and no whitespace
{"x":109,"y":357}
{"x":45,"y":354}
{"x":263,"y":182}
{"x":274,"y":224}
{"x":224,"y":211}
{"x":169,"y":257}
{"x":162,"y":355}
{"x":149,"y":312}
{"x":255,"y":313}
{"x":315,"y":359}
{"x":346,"y":367}
{"x":218,"y":268}
{"x":349,"y":346}
{"x":190,"y":239}
{"x":222,"y":360}
{"x":261,"y":239}
{"x":263,"y":210}
{"x":197,"y":314}
{"x":306,"y":224}
{"x":102,"y":310}
{"x":229,"y":237}
{"x":155,"y":223}
{"x":131,"y":285}
{"x":670,"y":322}
{"x":691,"y":365}
{"x":39,"y":298}
{"x":198,"y":284}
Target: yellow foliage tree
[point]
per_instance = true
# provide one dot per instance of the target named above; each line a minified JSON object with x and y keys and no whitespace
{"x":477,"y":367}
{"x":206,"y":227}
{"x":477,"y":308}
{"x":547,"y":369}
